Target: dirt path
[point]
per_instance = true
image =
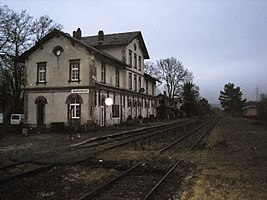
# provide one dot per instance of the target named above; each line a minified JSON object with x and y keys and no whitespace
{"x":234,"y":163}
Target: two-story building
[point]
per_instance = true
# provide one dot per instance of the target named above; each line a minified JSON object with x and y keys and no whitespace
{"x":70,"y":77}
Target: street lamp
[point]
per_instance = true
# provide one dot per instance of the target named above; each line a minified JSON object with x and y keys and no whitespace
{"x":109,"y":101}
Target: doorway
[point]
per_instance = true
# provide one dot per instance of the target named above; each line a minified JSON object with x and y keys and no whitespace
{"x":40,"y":114}
{"x":40,"y":110}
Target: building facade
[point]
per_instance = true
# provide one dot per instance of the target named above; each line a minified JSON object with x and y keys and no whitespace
{"x":68,"y":78}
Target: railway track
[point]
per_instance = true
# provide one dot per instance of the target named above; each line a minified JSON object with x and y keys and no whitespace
{"x":139,"y":174}
{"x":127,"y":135}
{"x":146,"y":182}
{"x":84,"y":151}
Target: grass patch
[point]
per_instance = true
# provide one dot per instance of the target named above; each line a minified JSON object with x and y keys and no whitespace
{"x":234,"y":164}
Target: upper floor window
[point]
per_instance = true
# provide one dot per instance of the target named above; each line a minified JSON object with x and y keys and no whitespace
{"x":135,"y":83}
{"x":130,"y":58}
{"x":139,"y":63}
{"x":130,"y":81}
{"x":153,"y":89}
{"x":117,"y":77}
{"x":41,"y":73}
{"x":103,"y":72}
{"x":139,"y":82}
{"x":74,"y":71}
{"x":147,"y":86}
{"x":135,"y":61}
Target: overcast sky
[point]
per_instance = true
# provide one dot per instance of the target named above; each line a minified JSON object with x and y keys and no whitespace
{"x":219,"y":41}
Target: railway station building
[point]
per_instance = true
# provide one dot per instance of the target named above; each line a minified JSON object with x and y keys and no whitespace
{"x":69,"y":77}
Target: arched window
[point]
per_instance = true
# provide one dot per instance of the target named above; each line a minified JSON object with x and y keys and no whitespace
{"x":74,"y":102}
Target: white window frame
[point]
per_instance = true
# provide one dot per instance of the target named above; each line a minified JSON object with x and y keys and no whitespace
{"x":41,"y":76}
{"x":103,"y":72}
{"x":74,"y":70}
{"x":75,"y":108}
{"x":117,"y":77}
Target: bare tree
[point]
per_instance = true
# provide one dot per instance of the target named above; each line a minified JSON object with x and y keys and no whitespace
{"x":173,"y":73}
{"x":18,"y":32}
{"x":42,"y":26}
{"x":151,"y":69}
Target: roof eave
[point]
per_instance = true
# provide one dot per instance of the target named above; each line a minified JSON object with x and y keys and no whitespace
{"x":26,"y":54}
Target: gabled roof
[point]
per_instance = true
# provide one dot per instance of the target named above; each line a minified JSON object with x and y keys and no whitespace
{"x":117,"y":39}
{"x":56,"y":32}
{"x":151,"y":77}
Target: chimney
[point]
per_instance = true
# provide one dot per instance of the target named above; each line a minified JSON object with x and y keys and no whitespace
{"x":74,"y":34}
{"x":77,"y":34}
{"x":100,"y":37}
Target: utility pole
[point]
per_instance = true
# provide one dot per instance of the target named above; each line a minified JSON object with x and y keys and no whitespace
{"x":257,"y":93}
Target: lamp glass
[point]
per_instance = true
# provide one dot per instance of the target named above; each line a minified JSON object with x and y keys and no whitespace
{"x":108,"y":101}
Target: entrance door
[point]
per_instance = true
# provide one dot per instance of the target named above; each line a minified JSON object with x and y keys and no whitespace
{"x":40,"y":110}
{"x":40,"y":114}
{"x":102,"y":116}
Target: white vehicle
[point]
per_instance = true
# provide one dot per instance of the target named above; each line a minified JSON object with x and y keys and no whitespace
{"x":16,"y":119}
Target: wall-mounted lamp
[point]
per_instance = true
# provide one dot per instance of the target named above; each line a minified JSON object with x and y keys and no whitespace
{"x":109,"y":101}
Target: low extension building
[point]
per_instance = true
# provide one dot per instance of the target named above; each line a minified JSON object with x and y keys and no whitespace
{"x":250,"y":111}
{"x":68,"y":78}
{"x":168,"y":108}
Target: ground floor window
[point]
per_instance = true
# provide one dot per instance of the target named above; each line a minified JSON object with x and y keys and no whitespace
{"x":115,"y":111}
{"x":75,"y":109}
{"x":74,"y":102}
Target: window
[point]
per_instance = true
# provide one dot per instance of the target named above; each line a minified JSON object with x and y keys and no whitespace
{"x":135,"y":83}
{"x":135,"y":61}
{"x":147,"y":86}
{"x":74,"y":71}
{"x":153,"y":89}
{"x":103,"y":72}
{"x":58,"y":50}
{"x":41,"y":73}
{"x":139,"y":63}
{"x":75,"y":109}
{"x":130,"y":58}
{"x":129,"y":103}
{"x":139,"y":83}
{"x":117,"y":77}
{"x":146,"y":103}
{"x":115,"y":111}
{"x":130,"y":81}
